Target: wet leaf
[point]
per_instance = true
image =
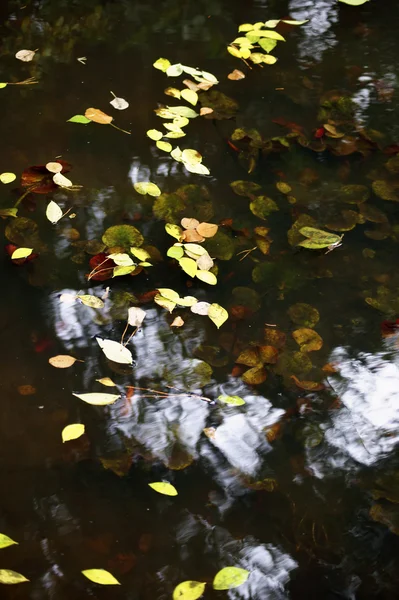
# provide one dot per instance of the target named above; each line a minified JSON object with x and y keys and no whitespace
{"x":223,"y":106}
{"x":201,"y":308}
{"x":98,"y":116}
{"x":221,"y":246}
{"x":162,"y":64}
{"x":154,"y":134}
{"x":190,"y":96}
{"x":6,"y":541}
{"x":294,"y":237}
{"x":120,"y":271}
{"x":62,"y":361}
{"x":308,"y":339}
{"x":147,"y":187}
{"x":258,"y":58}
{"x":8,"y":212}
{"x":163,"y":487}
{"x":283,"y":187}
{"x":100,"y":576}
{"x":11,"y":577}
{"x":236,"y":75}
{"x":317,"y":238}
{"x":189,"y":590}
{"x":119,"y":103}
{"x":136,"y":316}
{"x":254,"y":376}
{"x":385,"y":190}
{"x":106,"y":381}
{"x":304,"y":314}
{"x":207,"y":230}
{"x":207,"y":277}
{"x":79,"y":119}
{"x":53,"y":212}
{"x":7,"y":177}
{"x":187,"y":301}
{"x":372,"y":213}
{"x":164,"y":146}
{"x":97,"y":398}
{"x":229,"y":578}
{"x":25,"y":55}
{"x":233,"y":400}
{"x":268,"y":354}
{"x":245,"y":188}
{"x":262,"y":207}
{"x":140,"y":253}
{"x":182,"y":111}
{"x":249,"y":357}
{"x":173,"y":230}
{"x":218,"y":314}
{"x":72,"y":432}
{"x":309,"y":386}
{"x":275,"y":337}
{"x":115,"y":351}
{"x":122,"y":236}
{"x":62,"y":181}
{"x":92,"y":301}
{"x":191,"y":157}
{"x":354,"y":194}
{"x":177,"y":322}
{"x":21,"y":253}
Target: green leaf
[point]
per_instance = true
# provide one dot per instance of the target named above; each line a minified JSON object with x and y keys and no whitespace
{"x":11,"y":577}
{"x":115,"y":351}
{"x":100,"y":576}
{"x":258,"y":58}
{"x":267,"y":45}
{"x":97,"y":398}
{"x":189,"y":266}
{"x":123,"y":236}
{"x":229,"y":578}
{"x":6,"y":541}
{"x":7,"y":177}
{"x":189,"y":590}
{"x":163,"y":487}
{"x":162,"y":64}
{"x":21,"y":253}
{"x":218,"y":314}
{"x":120,"y":270}
{"x":173,"y":230}
{"x":140,"y":253}
{"x":233,"y":400}
{"x":147,"y":187}
{"x":72,"y":432}
{"x":317,"y":238}
{"x":8,"y":212}
{"x":154,"y":134}
{"x":79,"y":119}
{"x":122,"y":259}
{"x":207,"y":277}
{"x":175,"y":252}
{"x":245,"y":27}
{"x":92,"y":301}
{"x":262,"y":206}
{"x":354,"y":2}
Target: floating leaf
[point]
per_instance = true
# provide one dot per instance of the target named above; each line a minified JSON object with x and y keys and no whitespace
{"x":189,"y":266}
{"x":119,"y":103}
{"x":79,"y":119}
{"x":115,"y":351}
{"x":267,"y":45}
{"x":304,"y":314}
{"x":62,"y":181}
{"x":236,"y":75}
{"x":21,"y":253}
{"x":190,"y":96}
{"x":218,"y":314}
{"x":258,"y":58}
{"x":120,"y":271}
{"x":233,"y":400}
{"x":136,"y":316}
{"x":6,"y":541}
{"x":53,"y":212}
{"x":8,"y":212}
{"x":163,"y":487}
{"x":106,"y":381}
{"x":249,"y":357}
{"x":154,"y":134}
{"x":98,"y":116}
{"x":189,"y":590}
{"x":186,"y":301}
{"x":206,"y":277}
{"x":268,"y":354}
{"x":174,"y":70}
{"x":100,"y":576}
{"x":123,"y":236}
{"x":164,"y":146}
{"x":162,"y":64}
{"x":354,"y":2}
{"x":62,"y":361}
{"x":92,"y":301}
{"x":177,"y":322}
{"x":147,"y":187}
{"x":168,"y":293}
{"x":97,"y":398}
{"x":8,"y":177}
{"x":3,"y":85}
{"x":25,"y":55}
{"x":207,"y":230}
{"x":11,"y":577}
{"x":72,"y":432}
{"x":183,"y":111}
{"x":121,"y":259}
{"x":317,"y":238}
{"x":201,"y":308}
{"x":308,"y":339}
{"x":229,"y":578}
{"x":170,"y":305}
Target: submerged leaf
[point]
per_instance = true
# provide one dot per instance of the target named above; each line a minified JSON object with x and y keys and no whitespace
{"x":308,"y":339}
{"x":229,"y":578}
{"x":163,"y":487}
{"x":92,"y":301}
{"x":72,"y":432}
{"x":304,"y":314}
{"x":317,"y":238}
{"x":123,"y":236}
{"x":100,"y":576}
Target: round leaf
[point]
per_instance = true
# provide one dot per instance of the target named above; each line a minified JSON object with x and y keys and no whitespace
{"x":115,"y":351}
{"x":8,"y":177}
{"x":229,"y":578}
{"x":54,"y":167}
{"x":124,"y":236}
{"x":189,"y":590}
{"x":164,"y":146}
{"x":100,"y":576}
{"x":163,"y":487}
{"x":201,"y":308}
{"x":154,"y":134}
{"x":147,"y":187}
{"x":207,"y":230}
{"x":62,"y":361}
{"x":308,"y":339}
{"x":304,"y":314}
{"x":72,"y":432}
{"x":233,"y":400}
{"x":97,"y":398}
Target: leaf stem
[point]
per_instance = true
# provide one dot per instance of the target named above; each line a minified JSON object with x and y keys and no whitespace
{"x":119,"y":129}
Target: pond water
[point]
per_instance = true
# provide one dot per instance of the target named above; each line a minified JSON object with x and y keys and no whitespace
{"x":299,"y":485}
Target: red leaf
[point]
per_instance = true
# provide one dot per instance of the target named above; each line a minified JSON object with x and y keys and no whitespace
{"x":40,"y":179}
{"x":319,"y":132}
{"x":105,"y":267}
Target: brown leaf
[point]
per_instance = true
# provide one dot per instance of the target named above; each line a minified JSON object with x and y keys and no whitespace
{"x":188,"y":223}
{"x":250,"y":358}
{"x":268,"y":354}
{"x":62,"y":361}
{"x":207,"y":230}
{"x":191,"y":235}
{"x":254,"y":376}
{"x":206,"y":111}
{"x":308,"y":339}
{"x":26,"y":390}
{"x":275,"y":337}
{"x":310,"y":386}
{"x":98,"y":116}
{"x":236,"y":75}
{"x":178,"y":322}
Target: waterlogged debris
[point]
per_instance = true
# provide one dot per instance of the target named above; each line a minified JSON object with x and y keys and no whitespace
{"x":25,"y":55}
{"x":385,"y":190}
{"x":317,"y":238}
{"x":8,"y":212}
{"x":100,"y":576}
{"x":304,"y":314}
{"x":232,"y":400}
{"x":97,"y":398}
{"x":309,"y":386}
{"x":6,"y":541}
{"x":119,"y":103}
{"x":229,"y":578}
{"x":21,"y":253}
{"x":236,"y":75}
{"x":283,"y":187}
{"x":136,"y":316}
{"x":163,"y":487}
{"x":115,"y":351}
{"x":354,"y":193}
{"x":245,"y":188}
{"x":92,"y":301}
{"x":147,"y":187}
{"x":262,"y":207}
{"x":189,"y":590}
{"x":122,"y":236}
{"x":62,"y":361}
{"x":218,"y":314}
{"x":72,"y":432}
{"x":9,"y":577}
{"x":308,"y":339}
{"x":7,"y":177}
{"x":98,"y":116}
{"x":53,"y":212}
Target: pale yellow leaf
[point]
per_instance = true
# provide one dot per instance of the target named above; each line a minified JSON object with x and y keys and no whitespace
{"x":72,"y":432}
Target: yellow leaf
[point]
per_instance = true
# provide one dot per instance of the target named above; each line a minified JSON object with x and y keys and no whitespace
{"x":21,"y":253}
{"x":97,"y":398}
{"x":6,"y":541}
{"x":189,"y":266}
{"x":177,"y":322}
{"x":173,"y":230}
{"x":147,"y":187}
{"x":140,"y":253}
{"x":7,"y":177}
{"x":190,"y":96}
{"x":189,"y":590}
{"x":72,"y":432}
{"x":92,"y":301}
{"x":162,"y":64}
{"x":11,"y":577}
{"x":62,"y":181}
{"x":154,"y":134}
{"x":169,"y":294}
{"x":163,"y":487}
{"x":233,"y":400}
{"x":229,"y":578}
{"x":62,"y":361}
{"x":207,"y":277}
{"x":25,"y":55}
{"x":165,"y":303}
{"x":100,"y":576}
{"x":218,"y":314}
{"x":165,"y":146}
{"x":106,"y":381}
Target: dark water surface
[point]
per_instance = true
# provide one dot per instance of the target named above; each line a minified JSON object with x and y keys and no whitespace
{"x":299,"y":487}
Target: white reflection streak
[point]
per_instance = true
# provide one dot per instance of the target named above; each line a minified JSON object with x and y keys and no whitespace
{"x":315,"y":35}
